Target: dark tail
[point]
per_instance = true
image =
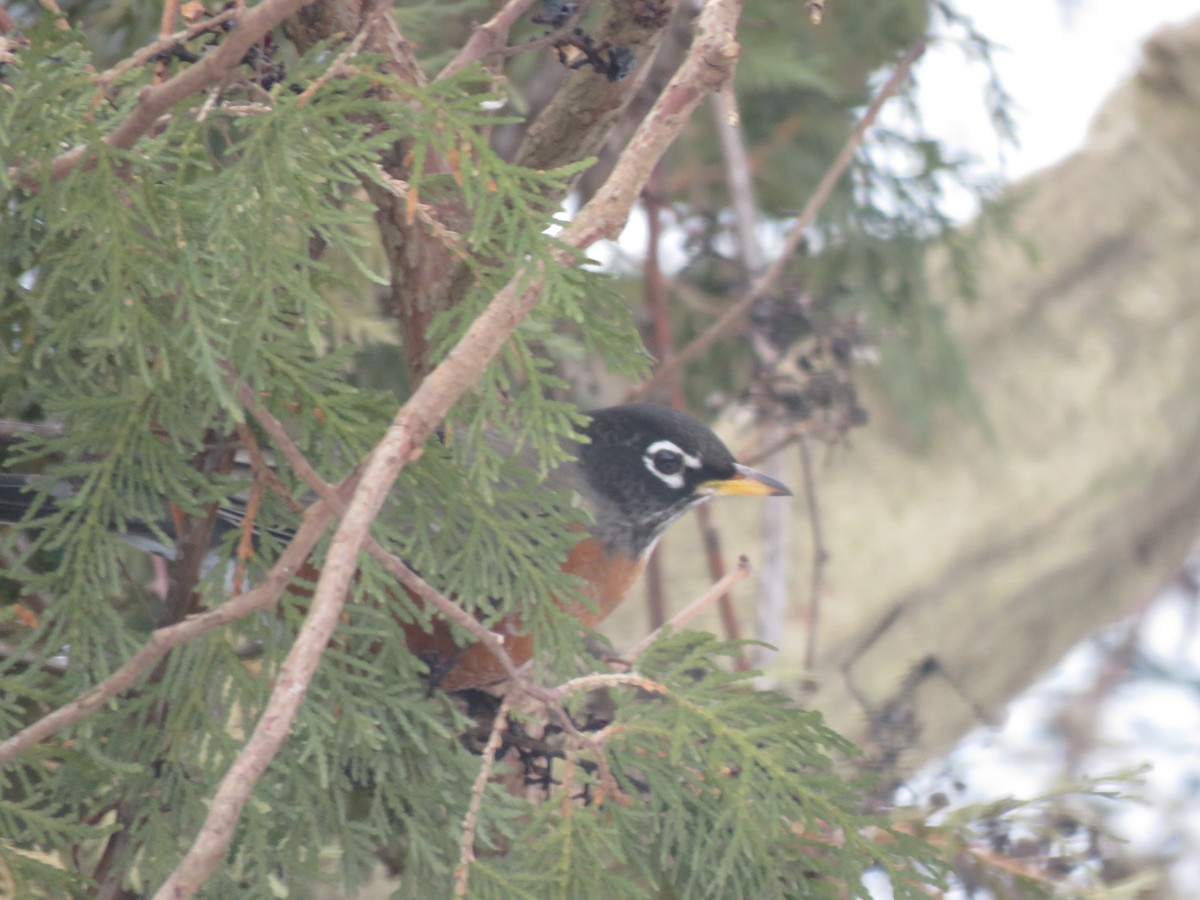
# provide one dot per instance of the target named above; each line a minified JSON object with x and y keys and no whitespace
{"x":16,"y":499}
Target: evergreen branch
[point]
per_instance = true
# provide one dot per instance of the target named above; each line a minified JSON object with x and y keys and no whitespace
{"x":707,"y":66}
{"x":163,"y":639}
{"x":764,"y":283}
{"x":155,"y":100}
{"x":489,"y":38}
{"x":471,"y":817}
{"x":697,"y":606}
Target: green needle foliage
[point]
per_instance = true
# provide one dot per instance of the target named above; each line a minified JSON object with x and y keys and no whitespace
{"x":143,"y":295}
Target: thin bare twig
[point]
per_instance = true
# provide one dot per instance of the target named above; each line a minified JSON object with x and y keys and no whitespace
{"x":737,"y":171}
{"x":661,"y":343}
{"x":753,"y":457}
{"x":488,"y":38}
{"x":697,"y":606}
{"x":795,"y":238}
{"x":820,"y":554}
{"x":466,"y":854}
{"x":608,"y":679}
{"x":714,"y":555}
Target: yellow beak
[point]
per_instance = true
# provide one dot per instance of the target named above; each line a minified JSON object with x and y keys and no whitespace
{"x":749,"y":483}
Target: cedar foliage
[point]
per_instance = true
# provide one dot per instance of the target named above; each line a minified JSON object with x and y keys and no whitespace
{"x":225,"y":248}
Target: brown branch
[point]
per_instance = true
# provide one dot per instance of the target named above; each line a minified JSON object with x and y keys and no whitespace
{"x":155,"y":100}
{"x":489,"y":38}
{"x":697,"y":606}
{"x":764,"y":283}
{"x":145,"y":54}
{"x":7,"y":23}
{"x":170,"y":13}
{"x":466,"y":854}
{"x":708,"y":66}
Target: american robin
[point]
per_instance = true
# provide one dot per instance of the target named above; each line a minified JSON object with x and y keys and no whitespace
{"x":637,"y":467}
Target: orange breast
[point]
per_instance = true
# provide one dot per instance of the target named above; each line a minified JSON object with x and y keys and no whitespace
{"x":608,"y":579}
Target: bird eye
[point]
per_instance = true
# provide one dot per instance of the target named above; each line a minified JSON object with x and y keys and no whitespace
{"x":667,"y":462}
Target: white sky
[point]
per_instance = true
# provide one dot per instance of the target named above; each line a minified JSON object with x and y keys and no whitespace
{"x":1063,"y":58}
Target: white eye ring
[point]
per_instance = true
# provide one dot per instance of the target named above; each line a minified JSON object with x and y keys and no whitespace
{"x":674,"y":480}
